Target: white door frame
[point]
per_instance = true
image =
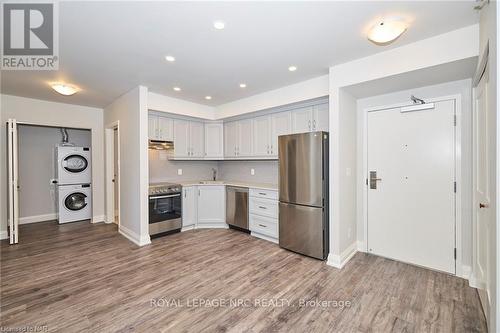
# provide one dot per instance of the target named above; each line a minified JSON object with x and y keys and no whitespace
{"x":110,"y":160}
{"x":458,"y":172}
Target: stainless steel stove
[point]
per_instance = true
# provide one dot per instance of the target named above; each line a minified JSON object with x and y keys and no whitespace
{"x":165,"y":208}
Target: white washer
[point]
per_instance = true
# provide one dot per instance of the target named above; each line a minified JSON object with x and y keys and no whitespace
{"x":75,"y":202}
{"x":73,"y":165}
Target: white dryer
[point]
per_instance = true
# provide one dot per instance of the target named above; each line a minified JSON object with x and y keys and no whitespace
{"x":75,"y":202}
{"x":73,"y":165}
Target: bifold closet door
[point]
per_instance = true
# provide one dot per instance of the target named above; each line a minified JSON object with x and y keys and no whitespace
{"x":13,"y":208}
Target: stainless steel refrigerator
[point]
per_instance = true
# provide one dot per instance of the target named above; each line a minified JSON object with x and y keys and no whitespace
{"x":303,"y":193}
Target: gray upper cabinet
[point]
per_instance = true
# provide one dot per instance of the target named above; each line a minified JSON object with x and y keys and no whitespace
{"x":238,"y":139}
{"x":302,"y":120}
{"x":214,"y":140}
{"x":189,"y":139}
{"x":310,"y":119}
{"x":231,"y":139}
{"x":261,"y":136}
{"x":320,"y":117}
{"x":160,"y":128}
{"x":281,"y":124}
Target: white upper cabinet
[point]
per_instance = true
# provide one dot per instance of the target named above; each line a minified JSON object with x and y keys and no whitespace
{"x":320,"y":117}
{"x":181,"y":138}
{"x":281,"y":124}
{"x":197,"y":138}
{"x":261,"y":136}
{"x":302,"y":120}
{"x":160,"y":128}
{"x":245,"y":138}
{"x":214,"y":140}
{"x":153,"y":127}
{"x":230,"y":138}
{"x":165,"y":129}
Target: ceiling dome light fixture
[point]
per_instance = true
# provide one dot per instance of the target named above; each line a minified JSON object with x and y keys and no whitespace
{"x":177,"y":89}
{"x":292,"y":68}
{"x":170,"y":58}
{"x":243,"y":85}
{"x":64,"y":89}
{"x":386,"y":31}
{"x":219,"y":25}
{"x":208,"y":97}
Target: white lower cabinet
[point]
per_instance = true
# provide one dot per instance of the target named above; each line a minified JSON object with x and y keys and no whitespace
{"x":211,"y":206}
{"x":204,"y":206}
{"x":189,"y":206}
{"x":263,"y":214}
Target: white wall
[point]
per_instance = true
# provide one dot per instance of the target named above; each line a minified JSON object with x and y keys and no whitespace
{"x":130,"y":110}
{"x":446,"y":48}
{"x":265,"y":171}
{"x":158,"y":102}
{"x":60,"y":115}
{"x":462,"y":88}
{"x":161,"y":169}
{"x":37,"y":195}
{"x":302,"y":91}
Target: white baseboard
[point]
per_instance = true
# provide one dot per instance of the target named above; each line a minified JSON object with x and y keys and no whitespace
{"x":98,"y":218}
{"x":189,"y":227}
{"x":466,"y":272}
{"x":264,"y":237}
{"x":339,"y":261}
{"x":134,"y":237}
{"x":212,"y":226}
{"x":4,"y":234}
{"x":361,"y":246}
{"x":38,"y":218}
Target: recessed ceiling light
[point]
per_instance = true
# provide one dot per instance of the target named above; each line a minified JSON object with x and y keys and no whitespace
{"x":243,"y":85}
{"x":219,"y":25}
{"x":64,"y":89}
{"x":292,"y":68}
{"x":208,"y":97}
{"x":177,"y":89}
{"x":386,"y":31}
{"x":170,"y":58}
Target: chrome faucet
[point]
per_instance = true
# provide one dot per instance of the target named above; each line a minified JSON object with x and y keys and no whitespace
{"x":214,"y":174}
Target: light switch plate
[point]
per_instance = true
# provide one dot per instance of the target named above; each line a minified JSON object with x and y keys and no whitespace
{"x":179,"y":172}
{"x":252,"y":172}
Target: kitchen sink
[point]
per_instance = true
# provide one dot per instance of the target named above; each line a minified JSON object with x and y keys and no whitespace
{"x":206,"y":182}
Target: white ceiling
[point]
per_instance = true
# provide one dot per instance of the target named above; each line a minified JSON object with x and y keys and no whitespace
{"x":108,"y":48}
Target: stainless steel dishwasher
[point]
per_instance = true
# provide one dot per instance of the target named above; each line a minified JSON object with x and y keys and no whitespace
{"x":237,"y":207}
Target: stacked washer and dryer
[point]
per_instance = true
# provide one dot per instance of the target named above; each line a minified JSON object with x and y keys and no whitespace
{"x":74,"y":177}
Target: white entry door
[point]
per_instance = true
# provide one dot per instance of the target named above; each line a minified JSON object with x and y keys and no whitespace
{"x":411,"y":185}
{"x":13,"y":181}
{"x":482,"y":180}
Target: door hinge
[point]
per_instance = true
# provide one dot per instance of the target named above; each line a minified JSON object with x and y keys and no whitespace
{"x":455,"y":120}
{"x":455,"y":253}
{"x":455,"y":187}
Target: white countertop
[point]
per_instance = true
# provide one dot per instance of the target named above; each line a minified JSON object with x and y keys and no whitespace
{"x":262,"y":186}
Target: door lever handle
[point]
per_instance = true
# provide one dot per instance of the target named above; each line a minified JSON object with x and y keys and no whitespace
{"x":374,"y":180}
{"x":482,"y":205}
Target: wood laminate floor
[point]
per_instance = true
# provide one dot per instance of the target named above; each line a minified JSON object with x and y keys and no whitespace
{"x":80,"y":277}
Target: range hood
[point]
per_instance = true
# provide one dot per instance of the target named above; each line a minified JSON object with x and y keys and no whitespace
{"x":160,"y":145}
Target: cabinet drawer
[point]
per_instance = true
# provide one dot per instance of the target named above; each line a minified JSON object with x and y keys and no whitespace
{"x":269,"y":194}
{"x":264,"y":225}
{"x":264,"y":207}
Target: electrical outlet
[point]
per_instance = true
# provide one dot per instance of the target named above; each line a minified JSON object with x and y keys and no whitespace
{"x":252,"y":172}
{"x":179,"y":172}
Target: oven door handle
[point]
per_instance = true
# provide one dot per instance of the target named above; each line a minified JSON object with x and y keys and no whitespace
{"x":165,"y":196}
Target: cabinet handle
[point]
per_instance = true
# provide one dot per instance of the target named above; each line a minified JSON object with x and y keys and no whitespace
{"x":314,"y":124}
{"x":309,"y":124}
{"x":262,"y":207}
{"x":262,"y":193}
{"x":262,"y":225}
